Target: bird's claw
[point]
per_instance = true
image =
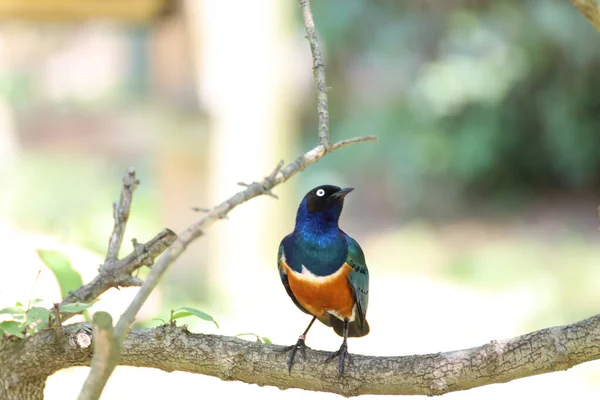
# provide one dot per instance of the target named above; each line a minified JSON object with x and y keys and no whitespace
{"x":300,"y":345}
{"x":342,"y":353}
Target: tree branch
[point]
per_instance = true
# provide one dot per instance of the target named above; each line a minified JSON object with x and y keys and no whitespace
{"x":118,"y":273}
{"x":319,"y":74}
{"x":346,"y":142}
{"x":171,"y":348}
{"x":114,"y":272}
{"x":105,"y":356}
{"x":590,"y":9}
{"x":121,"y":215}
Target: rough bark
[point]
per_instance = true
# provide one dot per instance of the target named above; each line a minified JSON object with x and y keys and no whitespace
{"x":25,"y":364}
{"x":22,"y":388}
{"x":172,"y":348}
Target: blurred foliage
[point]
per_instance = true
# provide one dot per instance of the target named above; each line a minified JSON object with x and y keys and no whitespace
{"x":59,"y":263}
{"x":73,"y":214}
{"x":23,"y":320}
{"x":470,"y":99}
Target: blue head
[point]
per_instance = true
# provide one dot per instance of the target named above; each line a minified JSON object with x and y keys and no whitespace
{"x":320,"y":209}
{"x":317,"y":242}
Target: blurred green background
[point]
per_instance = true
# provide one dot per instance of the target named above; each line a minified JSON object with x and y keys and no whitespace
{"x":476,"y":208}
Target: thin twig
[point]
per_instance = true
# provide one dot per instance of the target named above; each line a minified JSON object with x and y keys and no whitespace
{"x":346,"y":142}
{"x":35,"y":281}
{"x":121,"y":215}
{"x":105,"y":357}
{"x":319,"y":74}
{"x":265,"y":188}
{"x":58,"y":328}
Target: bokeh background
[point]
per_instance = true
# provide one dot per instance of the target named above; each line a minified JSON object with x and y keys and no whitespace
{"x":476,"y":208}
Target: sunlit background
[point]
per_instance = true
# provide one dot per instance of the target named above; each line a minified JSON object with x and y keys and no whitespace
{"x":476,"y":209}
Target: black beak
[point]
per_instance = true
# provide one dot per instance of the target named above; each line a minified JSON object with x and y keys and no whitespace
{"x":340,"y":194}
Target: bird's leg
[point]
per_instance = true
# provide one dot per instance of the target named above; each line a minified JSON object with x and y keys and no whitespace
{"x":300,"y":345}
{"x":342,"y":352}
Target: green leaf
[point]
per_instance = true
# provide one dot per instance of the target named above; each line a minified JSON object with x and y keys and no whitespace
{"x":264,"y":339}
{"x":18,"y":304}
{"x":12,"y":311}
{"x":248,"y":334}
{"x":12,"y":328}
{"x":36,"y":314}
{"x":179,"y":314}
{"x":76,"y":307}
{"x":159,"y":319}
{"x":188,"y":311}
{"x":60,"y":265}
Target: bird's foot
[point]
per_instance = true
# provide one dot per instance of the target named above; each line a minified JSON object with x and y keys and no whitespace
{"x":300,"y":345}
{"x":342,"y":353}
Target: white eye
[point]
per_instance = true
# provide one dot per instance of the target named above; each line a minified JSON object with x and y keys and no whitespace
{"x":320,"y":193}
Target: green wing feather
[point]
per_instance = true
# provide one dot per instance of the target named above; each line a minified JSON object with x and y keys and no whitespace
{"x":359,"y":280}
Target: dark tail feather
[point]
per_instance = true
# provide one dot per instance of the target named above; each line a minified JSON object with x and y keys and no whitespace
{"x":354,"y":329}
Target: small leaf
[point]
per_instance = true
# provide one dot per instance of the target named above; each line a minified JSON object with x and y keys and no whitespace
{"x":263,"y":339}
{"x":36,"y":314}
{"x":35,"y":301}
{"x":178,"y":313}
{"x":248,"y":334}
{"x":12,"y":328}
{"x":60,"y":265}
{"x":159,"y":319}
{"x":18,"y":304}
{"x":12,"y":311}
{"x":266,"y":340}
{"x":76,"y":307}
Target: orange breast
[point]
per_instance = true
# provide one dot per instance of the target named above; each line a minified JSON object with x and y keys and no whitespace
{"x":318,"y":294}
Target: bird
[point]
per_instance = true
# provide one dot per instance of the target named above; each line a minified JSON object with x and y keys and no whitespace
{"x":324,"y":271}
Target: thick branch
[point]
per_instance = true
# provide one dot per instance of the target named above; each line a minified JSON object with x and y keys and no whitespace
{"x":121,"y":215}
{"x":319,"y":73}
{"x":590,"y":9}
{"x":105,"y":356}
{"x":171,"y":348}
